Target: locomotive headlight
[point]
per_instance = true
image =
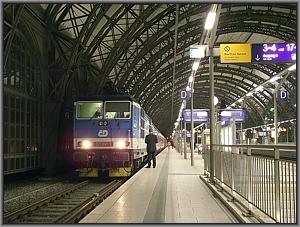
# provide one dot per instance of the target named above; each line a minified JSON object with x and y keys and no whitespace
{"x":120,"y":144}
{"x":86,"y":144}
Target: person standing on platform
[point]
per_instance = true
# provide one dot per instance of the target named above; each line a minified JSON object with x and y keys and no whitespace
{"x":151,"y":141}
{"x":169,"y":145}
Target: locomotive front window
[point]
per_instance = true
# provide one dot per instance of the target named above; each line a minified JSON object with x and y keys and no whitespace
{"x":117,"y":110}
{"x":89,"y":110}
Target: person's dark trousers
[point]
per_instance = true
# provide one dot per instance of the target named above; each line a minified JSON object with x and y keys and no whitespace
{"x":151,"y":155}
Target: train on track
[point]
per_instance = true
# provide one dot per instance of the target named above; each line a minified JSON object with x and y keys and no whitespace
{"x":109,"y":135}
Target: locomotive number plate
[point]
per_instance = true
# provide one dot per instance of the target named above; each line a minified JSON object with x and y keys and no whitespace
{"x":102,"y":144}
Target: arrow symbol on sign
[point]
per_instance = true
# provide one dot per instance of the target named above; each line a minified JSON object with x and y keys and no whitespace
{"x":257,"y":58}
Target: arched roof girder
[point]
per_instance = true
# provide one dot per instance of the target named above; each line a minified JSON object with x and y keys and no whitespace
{"x":201,"y":80}
{"x":130,"y":35}
{"x":229,"y":93}
{"x":158,"y":111}
{"x":105,"y":29}
{"x":189,"y":30}
{"x":237,"y":21}
{"x":131,"y":60}
{"x":161,"y":75}
{"x":152,"y":61}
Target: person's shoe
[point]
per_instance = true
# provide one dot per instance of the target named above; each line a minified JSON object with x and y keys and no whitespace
{"x":153,"y":166}
{"x":148,"y":166}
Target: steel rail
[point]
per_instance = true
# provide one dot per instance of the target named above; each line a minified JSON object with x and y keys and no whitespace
{"x":16,"y":214}
{"x":78,"y":212}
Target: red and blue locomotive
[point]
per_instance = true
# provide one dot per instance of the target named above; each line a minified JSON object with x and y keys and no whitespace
{"x":109,"y":134}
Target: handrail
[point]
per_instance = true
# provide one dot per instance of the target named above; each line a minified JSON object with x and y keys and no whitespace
{"x":263,"y":180}
{"x":257,"y":146}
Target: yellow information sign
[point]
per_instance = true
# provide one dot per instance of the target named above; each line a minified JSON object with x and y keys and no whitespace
{"x":235,"y":53}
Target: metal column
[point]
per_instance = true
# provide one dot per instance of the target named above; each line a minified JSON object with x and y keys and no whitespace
{"x":185,"y":156}
{"x":192,"y":121}
{"x":212,"y":112}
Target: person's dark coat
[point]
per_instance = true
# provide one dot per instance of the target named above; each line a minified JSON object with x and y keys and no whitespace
{"x":151,"y":141}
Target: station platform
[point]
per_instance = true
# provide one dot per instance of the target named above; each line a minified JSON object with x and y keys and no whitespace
{"x":170,"y":193}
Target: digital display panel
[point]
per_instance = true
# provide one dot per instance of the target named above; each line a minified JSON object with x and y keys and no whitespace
{"x":198,"y":115}
{"x":238,"y":114}
{"x":273,"y":52}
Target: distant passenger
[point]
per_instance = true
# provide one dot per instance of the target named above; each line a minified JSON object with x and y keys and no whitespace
{"x":151,"y":141}
{"x":169,"y":145}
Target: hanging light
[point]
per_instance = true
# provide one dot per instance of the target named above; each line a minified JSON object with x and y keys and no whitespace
{"x":210,"y":20}
{"x":195,"y":65}
{"x":259,"y":88}
{"x":291,"y":68}
{"x":273,"y":79}
{"x":216,"y":100}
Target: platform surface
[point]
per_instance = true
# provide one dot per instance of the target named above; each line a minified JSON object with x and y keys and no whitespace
{"x":170,"y":193}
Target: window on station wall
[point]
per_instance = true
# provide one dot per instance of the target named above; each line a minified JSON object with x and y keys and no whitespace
{"x":21,"y":113}
{"x":21,"y":124}
{"x":22,"y":69}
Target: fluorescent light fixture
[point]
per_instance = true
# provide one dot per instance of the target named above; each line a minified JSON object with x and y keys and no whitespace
{"x":191,"y":78}
{"x":249,"y":94}
{"x":210,"y":20}
{"x":241,"y":100}
{"x":293,"y":67}
{"x":195,"y":65}
{"x":273,"y":79}
{"x":259,"y":88}
{"x":216,"y":100}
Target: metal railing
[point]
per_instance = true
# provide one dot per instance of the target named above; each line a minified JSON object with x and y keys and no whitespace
{"x":263,"y":175}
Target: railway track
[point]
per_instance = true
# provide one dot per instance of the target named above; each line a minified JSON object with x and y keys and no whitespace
{"x":68,"y":206}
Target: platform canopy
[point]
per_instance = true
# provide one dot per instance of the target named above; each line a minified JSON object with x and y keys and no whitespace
{"x":100,"y":48}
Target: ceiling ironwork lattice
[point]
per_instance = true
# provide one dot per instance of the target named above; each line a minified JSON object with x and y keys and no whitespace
{"x":131,"y":46}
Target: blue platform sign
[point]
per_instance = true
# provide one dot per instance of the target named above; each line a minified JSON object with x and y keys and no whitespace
{"x":282,"y":95}
{"x":198,"y":115}
{"x":185,"y":95}
{"x":273,"y":52}
{"x":238,"y":114}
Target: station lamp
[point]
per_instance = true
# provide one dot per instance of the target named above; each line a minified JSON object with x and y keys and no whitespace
{"x":273,"y":79}
{"x":259,"y":88}
{"x":195,"y":65}
{"x":216,"y":100}
{"x":211,"y":17}
{"x":293,"y":67}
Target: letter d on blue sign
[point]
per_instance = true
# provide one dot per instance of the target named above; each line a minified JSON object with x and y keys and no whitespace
{"x":183,"y":94}
{"x":282,"y":95}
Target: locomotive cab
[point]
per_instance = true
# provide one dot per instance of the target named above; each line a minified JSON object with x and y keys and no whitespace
{"x":104,"y":131}
{"x":109,"y":135}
